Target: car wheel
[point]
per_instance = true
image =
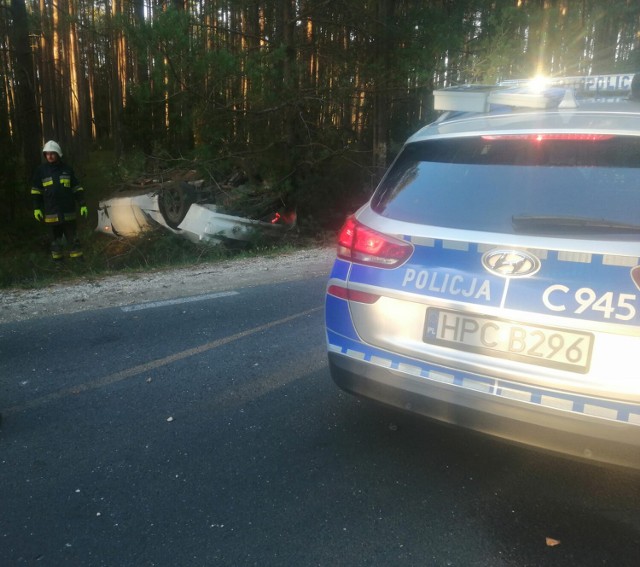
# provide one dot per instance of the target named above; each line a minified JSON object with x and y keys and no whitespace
{"x":175,"y":201}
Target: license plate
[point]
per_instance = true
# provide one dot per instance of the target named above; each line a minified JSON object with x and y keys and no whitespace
{"x":536,"y":344}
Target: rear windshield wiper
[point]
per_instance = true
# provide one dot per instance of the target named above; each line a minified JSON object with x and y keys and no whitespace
{"x":586,"y":224}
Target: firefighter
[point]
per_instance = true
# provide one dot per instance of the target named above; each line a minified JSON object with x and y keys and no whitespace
{"x":56,"y":191}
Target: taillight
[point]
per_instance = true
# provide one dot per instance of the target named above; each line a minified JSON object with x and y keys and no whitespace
{"x":549,"y":136}
{"x":363,"y":245}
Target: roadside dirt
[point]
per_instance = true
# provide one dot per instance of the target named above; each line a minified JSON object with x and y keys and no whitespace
{"x":120,"y":290}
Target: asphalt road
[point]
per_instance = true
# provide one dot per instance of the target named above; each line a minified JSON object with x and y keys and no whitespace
{"x":209,"y":432}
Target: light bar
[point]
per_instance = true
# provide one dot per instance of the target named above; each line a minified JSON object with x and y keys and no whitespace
{"x":523,"y":100}
{"x":590,"y":84}
{"x":558,"y":92}
{"x":462,"y":99}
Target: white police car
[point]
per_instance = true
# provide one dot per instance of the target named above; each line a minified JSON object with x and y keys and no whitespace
{"x":493,"y":279}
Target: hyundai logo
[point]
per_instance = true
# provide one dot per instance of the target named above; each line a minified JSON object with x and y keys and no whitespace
{"x":510,"y":263}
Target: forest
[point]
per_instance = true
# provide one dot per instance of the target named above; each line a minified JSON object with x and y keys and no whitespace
{"x":309,"y":99}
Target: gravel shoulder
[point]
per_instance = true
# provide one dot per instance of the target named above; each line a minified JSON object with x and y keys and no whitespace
{"x":121,"y":290}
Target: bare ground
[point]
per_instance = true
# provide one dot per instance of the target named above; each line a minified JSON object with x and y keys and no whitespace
{"x":120,"y":290}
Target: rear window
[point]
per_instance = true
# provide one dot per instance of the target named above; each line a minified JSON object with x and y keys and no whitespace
{"x":491,"y":183}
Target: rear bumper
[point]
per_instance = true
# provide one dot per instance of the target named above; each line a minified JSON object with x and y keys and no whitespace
{"x":576,"y":435}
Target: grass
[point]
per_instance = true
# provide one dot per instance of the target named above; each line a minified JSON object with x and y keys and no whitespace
{"x":30,"y":265}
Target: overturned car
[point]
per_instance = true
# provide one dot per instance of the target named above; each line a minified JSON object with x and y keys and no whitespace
{"x":187,"y":207}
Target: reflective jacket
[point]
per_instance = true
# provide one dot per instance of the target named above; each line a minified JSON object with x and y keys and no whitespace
{"x":56,"y":191}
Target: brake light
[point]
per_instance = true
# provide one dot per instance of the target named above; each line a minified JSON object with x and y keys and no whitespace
{"x":362,"y":245}
{"x":545,"y":137}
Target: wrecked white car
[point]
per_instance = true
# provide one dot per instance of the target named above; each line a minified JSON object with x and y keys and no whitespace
{"x":180,"y":208}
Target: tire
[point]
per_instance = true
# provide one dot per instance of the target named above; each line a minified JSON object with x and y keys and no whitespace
{"x":174,"y":203}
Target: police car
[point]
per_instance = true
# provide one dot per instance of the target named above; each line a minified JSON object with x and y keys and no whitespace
{"x":493,"y":279}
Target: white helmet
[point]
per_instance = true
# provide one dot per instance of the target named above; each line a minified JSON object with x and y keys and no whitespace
{"x":52,"y":146}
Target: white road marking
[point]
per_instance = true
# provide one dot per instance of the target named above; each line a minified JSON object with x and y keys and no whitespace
{"x":154,"y":304}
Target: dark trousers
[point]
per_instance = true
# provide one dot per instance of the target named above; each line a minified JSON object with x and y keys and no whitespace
{"x":65,"y":231}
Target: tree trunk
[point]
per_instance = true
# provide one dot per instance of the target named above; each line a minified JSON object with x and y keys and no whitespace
{"x":382,"y":95}
{"x":80,"y":134}
{"x":116,"y":71}
{"x":28,"y":125}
